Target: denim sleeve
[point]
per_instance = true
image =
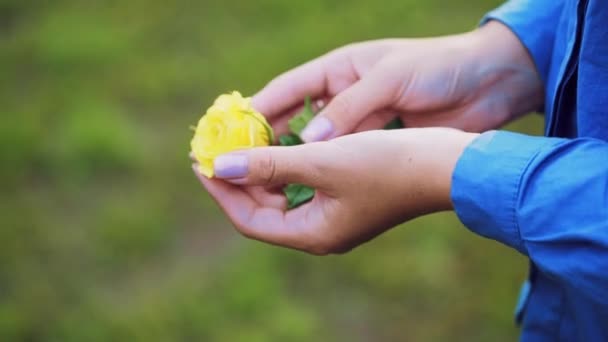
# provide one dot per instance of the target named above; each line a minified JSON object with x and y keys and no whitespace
{"x":545,"y":197}
{"x":534,"y":22}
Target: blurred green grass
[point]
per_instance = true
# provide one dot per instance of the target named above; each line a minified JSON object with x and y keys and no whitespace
{"x":106,"y":235}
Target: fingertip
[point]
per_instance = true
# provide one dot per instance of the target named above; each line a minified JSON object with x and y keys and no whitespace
{"x":320,"y":128}
{"x":231,"y":166}
{"x":197,"y":173}
{"x":259,"y":103}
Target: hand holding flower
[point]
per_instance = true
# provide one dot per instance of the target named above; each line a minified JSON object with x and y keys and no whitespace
{"x":365,"y":184}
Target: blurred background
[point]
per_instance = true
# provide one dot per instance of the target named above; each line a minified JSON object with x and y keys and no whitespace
{"x":107,"y":235}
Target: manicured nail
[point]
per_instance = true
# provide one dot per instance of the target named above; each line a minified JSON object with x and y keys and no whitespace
{"x":231,"y":166}
{"x":318,"y":129}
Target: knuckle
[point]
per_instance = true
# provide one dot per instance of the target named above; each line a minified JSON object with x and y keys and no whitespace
{"x":341,"y":104}
{"x":322,"y":246}
{"x":267,"y":168}
{"x":242,"y":226}
{"x":242,"y":229}
{"x":319,"y":250}
{"x":245,"y":233}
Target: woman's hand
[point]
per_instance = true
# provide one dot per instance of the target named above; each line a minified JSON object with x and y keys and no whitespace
{"x":474,"y":81}
{"x":365,"y":184}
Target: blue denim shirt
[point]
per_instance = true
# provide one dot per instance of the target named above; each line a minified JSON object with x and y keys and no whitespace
{"x":547,"y":197}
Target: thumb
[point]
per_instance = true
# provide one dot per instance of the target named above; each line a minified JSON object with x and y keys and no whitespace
{"x":349,"y":108}
{"x":271,"y":166}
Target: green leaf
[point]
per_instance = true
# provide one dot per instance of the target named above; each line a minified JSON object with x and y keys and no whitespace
{"x":394,"y":124}
{"x":290,"y":140}
{"x":298,"y":194}
{"x":300,"y":120}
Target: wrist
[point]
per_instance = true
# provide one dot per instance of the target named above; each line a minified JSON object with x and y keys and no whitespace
{"x":495,"y":42}
{"x":454,"y":150}
{"x":444,"y":147}
{"x":504,"y":66}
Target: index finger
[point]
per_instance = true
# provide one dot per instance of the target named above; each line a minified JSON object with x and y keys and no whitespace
{"x":290,"y":88}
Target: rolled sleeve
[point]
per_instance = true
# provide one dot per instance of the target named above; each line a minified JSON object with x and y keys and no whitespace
{"x":545,"y":197}
{"x":486,"y":184}
{"x":534,"y":22}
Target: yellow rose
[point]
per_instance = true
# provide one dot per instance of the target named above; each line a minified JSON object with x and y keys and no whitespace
{"x":230,"y":124}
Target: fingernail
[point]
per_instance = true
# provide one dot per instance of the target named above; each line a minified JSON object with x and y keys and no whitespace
{"x":231,"y":166}
{"x":320,"y":128}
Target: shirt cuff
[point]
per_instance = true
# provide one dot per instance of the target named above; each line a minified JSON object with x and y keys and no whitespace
{"x":534,"y":22}
{"x":486,"y":184}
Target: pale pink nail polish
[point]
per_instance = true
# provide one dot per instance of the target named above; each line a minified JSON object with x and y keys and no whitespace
{"x":318,"y":129}
{"x":231,"y":166}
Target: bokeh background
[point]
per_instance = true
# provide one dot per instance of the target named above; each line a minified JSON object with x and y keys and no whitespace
{"x":106,"y":234}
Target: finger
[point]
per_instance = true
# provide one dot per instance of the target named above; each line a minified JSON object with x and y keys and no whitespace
{"x":376,"y":121}
{"x":259,"y":223}
{"x":347,"y":109}
{"x":280,"y":123}
{"x":272,"y":166}
{"x":240,"y":205}
{"x":290,"y":88}
{"x":266,"y":197}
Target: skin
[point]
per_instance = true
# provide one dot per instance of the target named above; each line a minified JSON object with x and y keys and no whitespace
{"x":368,"y":182}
